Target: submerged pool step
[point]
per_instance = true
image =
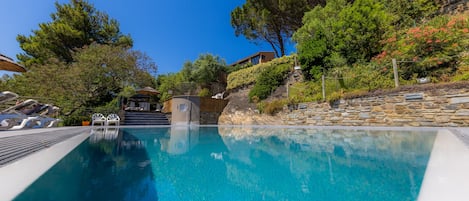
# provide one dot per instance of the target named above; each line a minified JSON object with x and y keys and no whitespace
{"x":16,"y":147}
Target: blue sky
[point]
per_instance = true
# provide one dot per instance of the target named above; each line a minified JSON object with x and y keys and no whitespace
{"x":171,"y":32}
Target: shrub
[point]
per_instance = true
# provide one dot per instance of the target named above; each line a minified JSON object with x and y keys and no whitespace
{"x":248,"y":76}
{"x":305,"y":92}
{"x":204,"y":92}
{"x":431,"y":49}
{"x":260,"y":92}
{"x":269,"y":80}
{"x":272,"y":107}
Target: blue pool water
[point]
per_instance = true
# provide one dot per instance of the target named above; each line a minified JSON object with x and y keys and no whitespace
{"x":239,"y":163}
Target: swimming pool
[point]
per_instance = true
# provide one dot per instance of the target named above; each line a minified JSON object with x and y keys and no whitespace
{"x":239,"y":163}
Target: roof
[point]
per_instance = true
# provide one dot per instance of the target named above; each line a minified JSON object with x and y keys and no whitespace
{"x":251,"y":56}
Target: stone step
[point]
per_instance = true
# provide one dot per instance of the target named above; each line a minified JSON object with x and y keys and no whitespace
{"x":145,"y":118}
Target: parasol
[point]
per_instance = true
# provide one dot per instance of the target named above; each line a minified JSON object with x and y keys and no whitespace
{"x":8,"y":64}
{"x":148,"y":91}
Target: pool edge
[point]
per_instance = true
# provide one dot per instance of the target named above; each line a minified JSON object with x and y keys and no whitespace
{"x":447,"y":175}
{"x":17,"y":176}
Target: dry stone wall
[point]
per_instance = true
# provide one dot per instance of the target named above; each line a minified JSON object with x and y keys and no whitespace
{"x":438,"y":107}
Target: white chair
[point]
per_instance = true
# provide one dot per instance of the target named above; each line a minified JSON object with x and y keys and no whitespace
{"x":98,"y":118}
{"x":113,"y":119}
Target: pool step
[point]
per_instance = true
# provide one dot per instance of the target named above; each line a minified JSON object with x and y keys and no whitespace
{"x":145,"y":118}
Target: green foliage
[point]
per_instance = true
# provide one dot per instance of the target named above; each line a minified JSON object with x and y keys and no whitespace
{"x":260,"y":91}
{"x":207,"y":68}
{"x":431,"y":49}
{"x":305,"y":92}
{"x":127,"y":92}
{"x":271,"y":21}
{"x":339,"y":32}
{"x":98,"y":75}
{"x":172,"y":84}
{"x":198,"y":74}
{"x":248,"y":76}
{"x":269,"y":80}
{"x":409,"y":13}
{"x":108,"y":108}
{"x":356,"y":79}
{"x":360,"y":29}
{"x":204,"y":93}
{"x":73,"y":26}
{"x":271,"y":107}
{"x":237,"y":67}
{"x":463,"y":67}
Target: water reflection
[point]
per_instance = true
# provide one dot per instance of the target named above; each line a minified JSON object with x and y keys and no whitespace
{"x":327,"y":164}
{"x":98,"y":169}
{"x":182,"y":139}
{"x":234,"y":163}
{"x":103,"y":133}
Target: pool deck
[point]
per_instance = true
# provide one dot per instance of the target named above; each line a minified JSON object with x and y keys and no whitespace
{"x":446,"y":177}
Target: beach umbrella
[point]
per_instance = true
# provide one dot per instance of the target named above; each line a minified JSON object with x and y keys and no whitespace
{"x":148,"y":91}
{"x":8,"y":64}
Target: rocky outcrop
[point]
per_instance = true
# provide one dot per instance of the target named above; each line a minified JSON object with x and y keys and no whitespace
{"x":239,"y":111}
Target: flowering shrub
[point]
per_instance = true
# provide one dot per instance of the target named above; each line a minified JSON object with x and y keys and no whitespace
{"x":432,"y":49}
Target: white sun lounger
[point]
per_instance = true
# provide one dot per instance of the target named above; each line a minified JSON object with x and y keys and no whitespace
{"x":6,"y":96}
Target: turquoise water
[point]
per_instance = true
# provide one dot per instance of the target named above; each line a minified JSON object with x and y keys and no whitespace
{"x":234,"y":163}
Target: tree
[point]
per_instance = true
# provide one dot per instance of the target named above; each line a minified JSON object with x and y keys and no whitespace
{"x":98,"y":75}
{"x":73,"y":26}
{"x":410,"y":13}
{"x":341,"y":33}
{"x":208,"y":69}
{"x":171,"y":84}
{"x":316,"y":38}
{"x":202,"y":73}
{"x":272,"y":21}
{"x":361,"y":28}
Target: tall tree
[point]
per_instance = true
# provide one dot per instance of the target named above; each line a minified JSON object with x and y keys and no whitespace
{"x":315,"y":39}
{"x":272,"y":21}
{"x":73,"y":26}
{"x":208,"y":69}
{"x":341,"y":33}
{"x":99,"y":73}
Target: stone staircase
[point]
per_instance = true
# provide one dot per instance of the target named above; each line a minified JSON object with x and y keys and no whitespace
{"x":145,"y":118}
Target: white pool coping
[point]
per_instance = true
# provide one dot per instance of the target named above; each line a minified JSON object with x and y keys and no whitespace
{"x":447,"y":174}
{"x":17,"y":176}
{"x":446,"y":177}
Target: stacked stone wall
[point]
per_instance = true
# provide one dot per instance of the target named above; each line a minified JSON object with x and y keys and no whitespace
{"x":439,"y":107}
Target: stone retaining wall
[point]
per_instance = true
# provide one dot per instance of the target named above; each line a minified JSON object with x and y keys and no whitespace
{"x":438,"y":107}
{"x":209,"y":118}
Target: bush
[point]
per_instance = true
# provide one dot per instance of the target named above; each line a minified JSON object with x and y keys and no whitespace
{"x":272,"y":107}
{"x":248,"y":76}
{"x":260,"y":92}
{"x":204,"y":92}
{"x":431,"y":49}
{"x":305,"y":92}
{"x":269,"y":80}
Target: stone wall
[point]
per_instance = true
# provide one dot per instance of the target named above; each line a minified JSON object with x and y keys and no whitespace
{"x":209,"y":118}
{"x":434,"y":107}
